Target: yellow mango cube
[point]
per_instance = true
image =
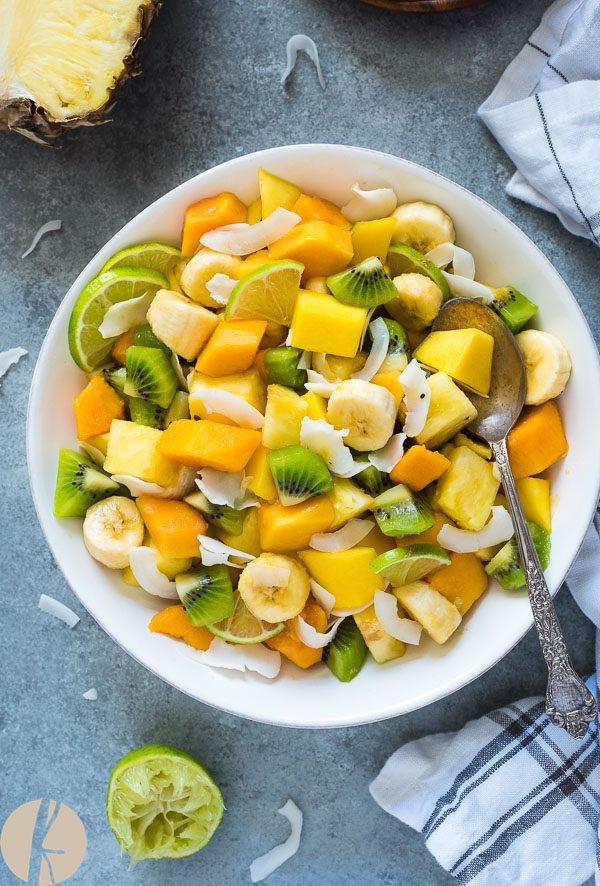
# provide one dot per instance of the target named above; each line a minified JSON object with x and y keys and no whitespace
{"x":370,"y":238}
{"x":259,"y":479}
{"x":133,"y":449}
{"x":348,"y":501}
{"x":254,"y":212}
{"x":450,"y":410}
{"x":322,"y":248}
{"x":464,"y":354}
{"x":248,"y":385}
{"x":323,"y":324}
{"x":345,"y":574}
{"x":534,"y":493}
{"x":275,"y":191}
{"x":283,"y":417}
{"x":317,"y":406}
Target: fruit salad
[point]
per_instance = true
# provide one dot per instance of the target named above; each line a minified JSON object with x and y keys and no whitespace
{"x":275,"y":443}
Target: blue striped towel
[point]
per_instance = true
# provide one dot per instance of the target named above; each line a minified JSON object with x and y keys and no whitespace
{"x":545,"y":114}
{"x":510,"y":798}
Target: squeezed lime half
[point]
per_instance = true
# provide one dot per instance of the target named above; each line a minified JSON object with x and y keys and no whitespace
{"x":269,"y":293}
{"x":403,"y":565}
{"x":157,"y":256}
{"x":243,"y":627}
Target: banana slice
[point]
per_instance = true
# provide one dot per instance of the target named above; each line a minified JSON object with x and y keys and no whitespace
{"x":418,"y":301}
{"x":180,"y":323}
{"x":547,"y":365}
{"x":111,"y":528}
{"x":422,"y":226}
{"x":201,"y":268}
{"x":274,"y":588}
{"x":367,"y":411}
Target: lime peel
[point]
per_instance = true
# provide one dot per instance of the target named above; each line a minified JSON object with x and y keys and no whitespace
{"x":404,"y":565}
{"x":268,"y":293}
{"x":244,"y":628}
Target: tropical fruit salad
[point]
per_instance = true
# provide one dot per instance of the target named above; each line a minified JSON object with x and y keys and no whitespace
{"x":272,"y":437}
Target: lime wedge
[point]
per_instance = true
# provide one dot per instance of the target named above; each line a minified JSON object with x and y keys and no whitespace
{"x":403,"y":565}
{"x":403,"y":259}
{"x":243,"y":627}
{"x":269,"y":293}
{"x":88,"y":348}
{"x":161,"y":803}
{"x":157,"y":256}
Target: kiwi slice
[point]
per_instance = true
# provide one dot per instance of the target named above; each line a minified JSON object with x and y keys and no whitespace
{"x":372,"y":480}
{"x":79,"y":484}
{"x":366,"y":285}
{"x":230,"y":520}
{"x":143,"y":412}
{"x":179,"y":408}
{"x":506,"y":567}
{"x":403,"y":259}
{"x":515,"y":308}
{"x":346,"y":653}
{"x":298,"y":473}
{"x":281,"y":367}
{"x":150,"y":375}
{"x":399,"y":512}
{"x":116,"y":378}
{"x":206,"y":594}
{"x":145,"y":337}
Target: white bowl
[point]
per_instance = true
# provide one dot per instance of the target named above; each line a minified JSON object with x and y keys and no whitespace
{"x":315,"y":698}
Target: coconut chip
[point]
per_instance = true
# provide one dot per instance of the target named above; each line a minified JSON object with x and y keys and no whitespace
{"x":321,"y":437}
{"x":386,"y":458}
{"x":319,"y":384}
{"x":302,"y":43}
{"x":313,"y":638}
{"x":305,"y":361}
{"x":242,"y":239}
{"x":342,"y":539}
{"x":255,"y":657}
{"x":417,"y":396}
{"x":230,"y":405}
{"x":367,"y":205}
{"x":9,"y":358}
{"x":142,"y":561}
{"x":323,"y":597}
{"x":220,"y":287}
{"x":386,"y":611}
{"x":263,"y":867}
{"x":213,"y":552}
{"x":92,"y":452}
{"x":54,"y":225}
{"x":58,"y":610}
{"x":461,"y":260}
{"x":91,"y":695}
{"x":125,"y":315}
{"x":222,"y":488}
{"x":139,"y":487}
{"x":463,"y":287}
{"x":380,"y":335}
{"x":176,"y":364}
{"x":498,"y":529}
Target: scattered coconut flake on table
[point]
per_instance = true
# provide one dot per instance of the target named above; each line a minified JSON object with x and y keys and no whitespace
{"x":263,"y":867}
{"x":380,"y":335}
{"x":323,"y":597}
{"x":369,"y":204}
{"x":92,"y":452}
{"x":462,"y":286}
{"x":9,"y":358}
{"x":125,"y":315}
{"x":319,"y":384}
{"x":321,"y":437}
{"x":313,"y":638}
{"x":242,"y":239}
{"x":230,"y":405}
{"x":91,"y":695}
{"x":386,"y":611}
{"x":139,"y":487}
{"x":498,"y":529}
{"x":176,"y":364}
{"x":142,"y":561}
{"x":386,"y":458}
{"x":255,"y":657}
{"x":461,"y":260}
{"x":58,"y":610}
{"x":342,"y":539}
{"x":54,"y":225}
{"x":417,"y":396}
{"x":302,"y":43}
{"x":220,"y":287}
{"x":213,"y":552}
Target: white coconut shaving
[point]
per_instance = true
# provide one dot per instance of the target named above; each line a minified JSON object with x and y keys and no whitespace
{"x":124,"y":315}
{"x":342,"y":539}
{"x":230,"y":405}
{"x":142,"y":561}
{"x":58,"y":610}
{"x":213,"y":552}
{"x":9,"y":358}
{"x":139,"y":487}
{"x":321,"y":437}
{"x":463,"y":287}
{"x":234,"y":657}
{"x":313,"y":638}
{"x":323,"y":597}
{"x":498,"y":529}
{"x":417,"y":397}
{"x":91,"y":695}
{"x":318,"y":384}
{"x":222,"y":488}
{"x":380,"y":336}
{"x":404,"y":629}
{"x":369,"y":204}
{"x":386,"y":458}
{"x":92,"y":452}
{"x":263,"y":867}
{"x":463,"y":263}
{"x":243,"y":239}
{"x":305,"y":361}
{"x":53,"y":225}
{"x":288,"y":339}
{"x":301,"y":43}
{"x":220,"y":287}
{"x":176,"y":364}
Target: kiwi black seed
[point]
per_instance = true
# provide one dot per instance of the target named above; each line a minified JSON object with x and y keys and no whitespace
{"x":206,"y":594}
{"x":150,"y":375}
{"x":228,"y":519}
{"x":298,"y":474}
{"x":506,"y":567}
{"x":79,"y":484}
{"x":399,"y":512}
{"x":366,"y":285}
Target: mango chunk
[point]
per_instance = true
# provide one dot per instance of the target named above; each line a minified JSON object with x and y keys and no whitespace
{"x":466,"y":491}
{"x":322,"y":248}
{"x":464,"y":354}
{"x":462,"y":582}
{"x":290,"y":528}
{"x":370,"y":238}
{"x":134,"y":449}
{"x":323,"y":324}
{"x":419,"y":467}
{"x":534,"y":493}
{"x":450,"y":410}
{"x":275,"y":191}
{"x":537,"y":440}
{"x":258,"y":477}
{"x":317,"y":209}
{"x":317,"y":406}
{"x":345,"y":574}
{"x":209,"y":444}
{"x":207,"y":214}
{"x":290,"y":645}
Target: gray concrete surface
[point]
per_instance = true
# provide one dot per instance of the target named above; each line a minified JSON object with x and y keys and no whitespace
{"x":409,"y":85}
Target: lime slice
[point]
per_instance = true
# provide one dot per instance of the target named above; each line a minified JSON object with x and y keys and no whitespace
{"x":157,"y":256}
{"x":88,"y":348}
{"x":403,"y":259}
{"x":269,"y":293}
{"x":243,"y":627}
{"x":161,"y":803}
{"x":403,"y":565}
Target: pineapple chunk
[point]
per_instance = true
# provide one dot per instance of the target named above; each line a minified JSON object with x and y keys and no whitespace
{"x":275,"y":191}
{"x":133,"y":449}
{"x":248,"y":385}
{"x":450,"y":410}
{"x":323,"y":324}
{"x":466,"y":491}
{"x":477,"y":446}
{"x":100,"y":441}
{"x":345,"y":574}
{"x":317,"y":406}
{"x":348,"y":501}
{"x":371,"y":238}
{"x":283,"y":417}
{"x":534,"y":493}
{"x":439,"y":617}
{"x":248,"y":540}
{"x":381,"y":645}
{"x":258,"y":477}
{"x":464,"y":354}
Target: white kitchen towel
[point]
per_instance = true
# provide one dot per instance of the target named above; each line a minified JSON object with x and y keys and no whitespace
{"x":510,"y":798}
{"x":545,"y":112}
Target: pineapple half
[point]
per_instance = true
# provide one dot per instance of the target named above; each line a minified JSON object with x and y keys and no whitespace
{"x":61,"y":61}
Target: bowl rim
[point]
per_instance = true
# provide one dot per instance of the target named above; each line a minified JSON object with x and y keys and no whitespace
{"x":444,"y":688}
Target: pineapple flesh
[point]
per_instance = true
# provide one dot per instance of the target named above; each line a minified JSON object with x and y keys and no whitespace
{"x":467,"y":490}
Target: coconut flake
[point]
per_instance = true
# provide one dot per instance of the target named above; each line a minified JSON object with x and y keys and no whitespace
{"x":463,"y":263}
{"x":91,"y":695}
{"x":498,"y":529}
{"x":288,"y":339}
{"x":58,"y":610}
{"x":386,"y":458}
{"x":367,"y":205}
{"x":54,"y":225}
{"x":254,"y":657}
{"x":242,"y":239}
{"x":404,"y":629}
{"x":139,"y":487}
{"x":463,"y":287}
{"x":301,"y":43}
{"x":342,"y":539}
{"x":346,"y":612}
{"x":319,"y":384}
{"x":263,"y":867}
{"x":313,"y":638}
{"x":220,"y":287}
{"x":176,"y":364}
{"x":92,"y":452}
{"x":381,"y":341}
{"x":270,"y":576}
{"x":222,"y":488}
{"x":321,"y":437}
{"x":417,"y":396}
{"x":9,"y":358}
{"x":125,"y":315}
{"x":323,"y":597}
{"x":305,"y":361}
{"x":142,"y":561}
{"x":225,"y":403}
{"x":213,"y":552}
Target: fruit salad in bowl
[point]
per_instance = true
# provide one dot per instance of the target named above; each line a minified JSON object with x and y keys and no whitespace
{"x":273,"y":439}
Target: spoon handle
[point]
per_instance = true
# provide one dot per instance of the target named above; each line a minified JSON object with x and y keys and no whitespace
{"x":569,"y":703}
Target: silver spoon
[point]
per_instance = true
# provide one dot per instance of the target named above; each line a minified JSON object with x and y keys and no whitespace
{"x":569,"y":703}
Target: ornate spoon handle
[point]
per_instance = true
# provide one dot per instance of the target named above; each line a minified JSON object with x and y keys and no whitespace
{"x":569,"y":703}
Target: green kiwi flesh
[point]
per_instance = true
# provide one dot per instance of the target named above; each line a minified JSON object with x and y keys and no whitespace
{"x":79,"y":484}
{"x":366,"y":285}
{"x":298,"y":474}
{"x":206,"y":594}
{"x":150,"y":375}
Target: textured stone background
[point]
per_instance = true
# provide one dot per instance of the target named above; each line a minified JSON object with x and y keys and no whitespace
{"x":210,"y":91}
